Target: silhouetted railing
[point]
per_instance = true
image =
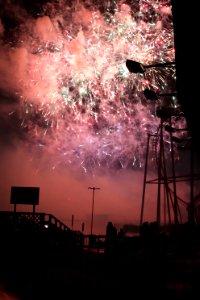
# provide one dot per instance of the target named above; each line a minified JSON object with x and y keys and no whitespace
{"x":33,"y":221}
{"x":37,"y":219}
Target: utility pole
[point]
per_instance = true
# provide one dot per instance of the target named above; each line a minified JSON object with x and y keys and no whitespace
{"x":72,"y":222}
{"x":93,"y":192}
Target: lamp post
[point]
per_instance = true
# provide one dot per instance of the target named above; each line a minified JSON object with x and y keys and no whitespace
{"x":93,"y":192}
{"x":163,"y":114}
{"x":136,"y":67}
{"x":151,"y":95}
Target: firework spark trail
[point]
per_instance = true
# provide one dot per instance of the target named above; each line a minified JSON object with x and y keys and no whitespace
{"x":77,"y":101}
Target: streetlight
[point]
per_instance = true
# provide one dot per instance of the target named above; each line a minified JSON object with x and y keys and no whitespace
{"x":164,"y":113}
{"x":183,"y":144}
{"x":152,"y":95}
{"x":136,"y":67}
{"x":93,"y":191}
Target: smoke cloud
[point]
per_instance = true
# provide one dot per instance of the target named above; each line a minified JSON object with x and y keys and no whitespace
{"x":71,"y":114}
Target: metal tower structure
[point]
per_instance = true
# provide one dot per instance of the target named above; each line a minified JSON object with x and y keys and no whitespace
{"x":168,"y":210}
{"x":167,"y":178}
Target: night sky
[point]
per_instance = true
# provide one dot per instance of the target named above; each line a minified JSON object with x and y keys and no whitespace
{"x":72,"y":116}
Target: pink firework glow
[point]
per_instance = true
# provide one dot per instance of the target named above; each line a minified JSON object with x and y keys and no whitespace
{"x":72,"y":115}
{"x":74,"y":97}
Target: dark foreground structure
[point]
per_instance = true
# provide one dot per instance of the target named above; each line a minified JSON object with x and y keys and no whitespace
{"x":41,"y":258}
{"x":186,"y":30}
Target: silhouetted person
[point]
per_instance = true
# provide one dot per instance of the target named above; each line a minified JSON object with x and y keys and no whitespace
{"x":144,"y":230}
{"x":111,"y":231}
{"x":121,"y":234}
{"x":111,"y":237}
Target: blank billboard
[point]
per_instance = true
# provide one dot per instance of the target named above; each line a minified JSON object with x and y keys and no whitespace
{"x":24,"y":195}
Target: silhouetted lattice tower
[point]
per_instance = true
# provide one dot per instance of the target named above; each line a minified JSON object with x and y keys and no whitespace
{"x":160,"y":146}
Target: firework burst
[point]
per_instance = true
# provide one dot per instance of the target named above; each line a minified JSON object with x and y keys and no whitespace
{"x":76,"y":101}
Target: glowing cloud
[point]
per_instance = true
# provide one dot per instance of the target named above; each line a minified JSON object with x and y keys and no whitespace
{"x":74,"y":98}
